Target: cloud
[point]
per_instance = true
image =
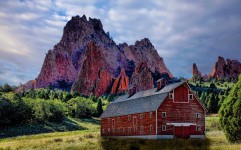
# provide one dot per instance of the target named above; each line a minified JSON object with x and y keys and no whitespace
{"x":183,"y":32}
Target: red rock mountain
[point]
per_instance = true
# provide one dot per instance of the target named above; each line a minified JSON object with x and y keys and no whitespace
{"x":228,"y":68}
{"x":195,"y":71}
{"x":87,"y":60}
{"x":222,"y":69}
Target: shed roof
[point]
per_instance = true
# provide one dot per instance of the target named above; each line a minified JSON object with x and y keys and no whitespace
{"x":144,"y":101}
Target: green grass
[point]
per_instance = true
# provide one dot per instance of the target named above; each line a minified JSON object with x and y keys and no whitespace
{"x":89,"y":138}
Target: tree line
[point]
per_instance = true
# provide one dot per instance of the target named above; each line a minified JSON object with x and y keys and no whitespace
{"x":46,"y":105}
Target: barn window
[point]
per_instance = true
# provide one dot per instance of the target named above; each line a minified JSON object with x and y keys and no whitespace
{"x":108,"y":120}
{"x":113,"y":130}
{"x":198,"y":128}
{"x":118,"y":130}
{"x":171,"y":95}
{"x":103,"y":130}
{"x":150,"y":114}
{"x":141,"y":116}
{"x":163,"y":114}
{"x":141,"y":128}
{"x":198,"y":115}
{"x":109,"y":131}
{"x":118,"y":119}
{"x":150,"y":127}
{"x":123,"y":130}
{"x":113,"y":122}
{"x":129,"y":129}
{"x":190,"y":96}
{"x":134,"y":121}
{"x":163,"y":127}
{"x":129,"y":118}
{"x":134,"y":129}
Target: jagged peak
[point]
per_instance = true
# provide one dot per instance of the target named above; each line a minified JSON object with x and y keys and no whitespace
{"x":143,"y":42}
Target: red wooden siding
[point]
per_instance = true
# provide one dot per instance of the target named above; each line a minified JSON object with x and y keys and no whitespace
{"x":181,"y":113}
{"x":134,"y":123}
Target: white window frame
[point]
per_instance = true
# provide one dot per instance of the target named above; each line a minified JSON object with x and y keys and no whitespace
{"x":141,"y":128}
{"x":108,"y":130}
{"x":129,"y":129}
{"x":164,"y":127}
{"x":113,"y":122}
{"x":198,"y":115}
{"x":108,"y":120}
{"x":129,"y":118}
{"x":150,"y":114}
{"x":141,"y":116}
{"x":165,"y":114}
{"x":171,"y":95}
{"x":118,"y":130}
{"x":198,"y":128}
{"x":134,"y":121}
{"x":135,"y":129}
{"x":190,"y":97}
{"x":103,"y":131}
{"x":118,"y":119}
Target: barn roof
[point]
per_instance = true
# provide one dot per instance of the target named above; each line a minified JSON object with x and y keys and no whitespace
{"x":144,"y":101}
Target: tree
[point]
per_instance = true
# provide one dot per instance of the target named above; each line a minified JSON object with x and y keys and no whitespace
{"x":230,"y":113}
{"x":7,"y":88}
{"x":99,"y":107}
{"x":212,"y":104}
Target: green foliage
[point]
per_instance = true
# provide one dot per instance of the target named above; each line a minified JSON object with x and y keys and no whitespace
{"x":51,"y":110}
{"x":7,"y":88}
{"x":80,"y":107}
{"x":99,"y":107}
{"x":230,"y":113}
{"x":212,"y":104}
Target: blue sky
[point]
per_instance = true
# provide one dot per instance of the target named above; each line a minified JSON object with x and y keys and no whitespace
{"x":183,"y":32}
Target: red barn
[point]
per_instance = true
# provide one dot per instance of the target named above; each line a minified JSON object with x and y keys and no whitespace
{"x":166,"y":112}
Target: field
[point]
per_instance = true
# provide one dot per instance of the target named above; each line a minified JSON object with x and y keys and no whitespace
{"x":88,"y":138}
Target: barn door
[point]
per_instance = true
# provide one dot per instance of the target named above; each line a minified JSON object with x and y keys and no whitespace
{"x":182,"y":132}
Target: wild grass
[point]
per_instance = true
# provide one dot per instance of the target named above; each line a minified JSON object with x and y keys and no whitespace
{"x":89,"y":139}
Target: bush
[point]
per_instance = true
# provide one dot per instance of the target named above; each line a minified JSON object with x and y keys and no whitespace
{"x":230,"y":113}
{"x":80,"y":107}
{"x":51,"y":110}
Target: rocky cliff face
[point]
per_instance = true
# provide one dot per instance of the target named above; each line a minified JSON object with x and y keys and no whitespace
{"x":142,"y":77}
{"x":88,"y":61}
{"x":228,"y":68}
{"x":195,"y":71}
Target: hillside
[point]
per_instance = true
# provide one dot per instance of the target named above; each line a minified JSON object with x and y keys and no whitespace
{"x":87,"y":60}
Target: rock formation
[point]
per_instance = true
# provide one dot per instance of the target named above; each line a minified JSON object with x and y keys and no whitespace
{"x":87,"y":60}
{"x":195,"y":72}
{"x":228,"y":68}
{"x":121,"y":83}
{"x":142,"y":77}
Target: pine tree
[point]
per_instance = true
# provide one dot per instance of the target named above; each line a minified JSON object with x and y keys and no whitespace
{"x":99,"y":107}
{"x":212,"y":104}
{"x":230,"y":113}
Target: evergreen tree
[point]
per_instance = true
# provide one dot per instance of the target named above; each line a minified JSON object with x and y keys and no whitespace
{"x":230,"y":113}
{"x":7,"y":88}
{"x":99,"y":107}
{"x":212,"y":104}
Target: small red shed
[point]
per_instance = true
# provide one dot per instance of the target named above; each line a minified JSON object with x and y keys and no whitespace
{"x":166,"y":112}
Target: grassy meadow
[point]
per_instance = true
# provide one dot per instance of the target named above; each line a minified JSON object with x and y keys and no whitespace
{"x":88,"y":137}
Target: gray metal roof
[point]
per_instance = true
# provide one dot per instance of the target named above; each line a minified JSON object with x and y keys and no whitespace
{"x":144,"y":101}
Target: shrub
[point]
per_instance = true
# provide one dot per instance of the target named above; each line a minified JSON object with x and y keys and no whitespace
{"x":230,"y":113}
{"x":80,"y":107}
{"x":51,"y":110}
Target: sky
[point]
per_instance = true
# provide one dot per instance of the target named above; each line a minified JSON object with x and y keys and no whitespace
{"x":183,"y":32}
